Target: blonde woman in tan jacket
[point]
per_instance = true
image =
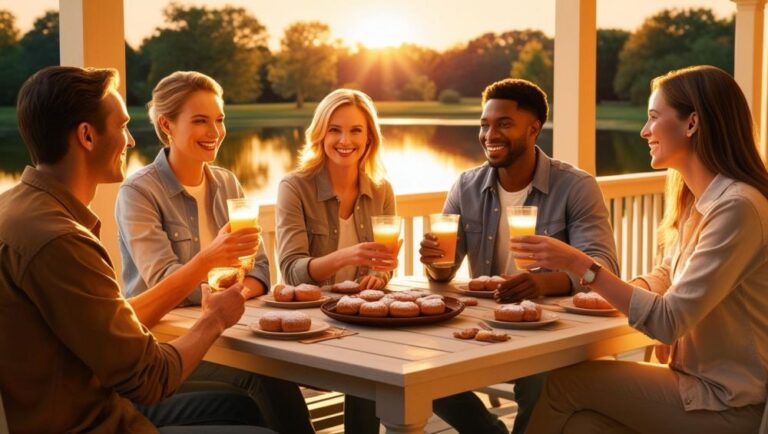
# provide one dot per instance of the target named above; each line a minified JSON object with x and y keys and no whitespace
{"x":324,"y":208}
{"x":708,"y":297}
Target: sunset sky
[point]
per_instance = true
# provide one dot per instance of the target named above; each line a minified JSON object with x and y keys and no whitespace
{"x":433,"y":23}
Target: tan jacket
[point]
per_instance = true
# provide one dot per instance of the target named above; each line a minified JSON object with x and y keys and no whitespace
{"x":72,"y":351}
{"x":308,"y":220}
{"x":710,"y":299}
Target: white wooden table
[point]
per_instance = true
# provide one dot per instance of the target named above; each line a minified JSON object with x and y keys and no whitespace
{"x":404,"y":369}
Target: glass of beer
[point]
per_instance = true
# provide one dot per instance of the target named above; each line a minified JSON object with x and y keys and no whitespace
{"x":445,"y":227}
{"x":221,"y":278}
{"x":522,"y":221}
{"x":243,"y":213}
{"x":386,"y":230}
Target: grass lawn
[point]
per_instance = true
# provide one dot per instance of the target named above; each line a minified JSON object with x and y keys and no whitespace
{"x":615,"y":116}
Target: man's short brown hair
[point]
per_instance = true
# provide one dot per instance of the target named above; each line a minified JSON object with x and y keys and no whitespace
{"x":55,"y":100}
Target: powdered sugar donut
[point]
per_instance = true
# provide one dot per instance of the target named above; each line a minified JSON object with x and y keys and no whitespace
{"x":375,"y":309}
{"x":307,"y":292}
{"x":271,"y":322}
{"x":346,"y":287}
{"x":296,"y":322}
{"x":371,"y":294}
{"x":349,"y":305}
{"x":404,"y":309}
{"x":432,"y":307}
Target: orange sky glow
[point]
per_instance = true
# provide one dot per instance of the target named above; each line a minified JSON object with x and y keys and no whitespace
{"x":438,"y":24}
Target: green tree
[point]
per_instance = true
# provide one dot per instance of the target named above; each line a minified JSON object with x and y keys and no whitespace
{"x":10,"y":59}
{"x":229,"y":44}
{"x":40,"y":46}
{"x":418,"y":88}
{"x":669,"y":40}
{"x":535,"y":64}
{"x":305,"y":67}
{"x":609,"y":45}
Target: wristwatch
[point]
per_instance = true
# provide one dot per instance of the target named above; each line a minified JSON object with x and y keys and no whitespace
{"x":590,"y":275}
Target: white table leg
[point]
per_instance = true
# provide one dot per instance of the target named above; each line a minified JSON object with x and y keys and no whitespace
{"x":403,"y":411}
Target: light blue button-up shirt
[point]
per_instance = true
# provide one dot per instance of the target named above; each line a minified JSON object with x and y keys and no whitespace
{"x":570,"y":208}
{"x":158,"y":228}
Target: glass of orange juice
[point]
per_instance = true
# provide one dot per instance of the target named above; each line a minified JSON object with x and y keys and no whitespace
{"x":386,"y":230}
{"x":243,"y":213}
{"x":445,"y":227}
{"x":221,"y":278}
{"x":522,"y":221}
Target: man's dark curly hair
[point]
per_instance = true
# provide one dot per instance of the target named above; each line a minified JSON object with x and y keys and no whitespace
{"x":526,"y":94}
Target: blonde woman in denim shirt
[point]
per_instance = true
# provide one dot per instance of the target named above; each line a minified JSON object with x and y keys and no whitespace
{"x":172,"y":218}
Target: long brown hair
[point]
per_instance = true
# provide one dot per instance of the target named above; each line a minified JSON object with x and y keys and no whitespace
{"x":724,"y":140}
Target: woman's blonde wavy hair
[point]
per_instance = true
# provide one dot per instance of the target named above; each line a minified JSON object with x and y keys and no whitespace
{"x":312,"y":157}
{"x":724,"y":140}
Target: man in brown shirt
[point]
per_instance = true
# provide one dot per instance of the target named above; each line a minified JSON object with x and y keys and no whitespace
{"x":75,"y":353}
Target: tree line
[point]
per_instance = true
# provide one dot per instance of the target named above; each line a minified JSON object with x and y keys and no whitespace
{"x":230,"y":44}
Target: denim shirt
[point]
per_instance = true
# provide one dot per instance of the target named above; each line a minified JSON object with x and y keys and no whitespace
{"x":570,"y":208}
{"x":308,"y":220}
{"x":157,"y":225}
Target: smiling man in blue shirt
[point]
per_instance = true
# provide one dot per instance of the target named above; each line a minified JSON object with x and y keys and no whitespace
{"x":517,"y":172}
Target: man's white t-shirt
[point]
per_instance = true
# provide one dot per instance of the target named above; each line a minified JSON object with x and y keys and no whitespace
{"x":504,"y":263}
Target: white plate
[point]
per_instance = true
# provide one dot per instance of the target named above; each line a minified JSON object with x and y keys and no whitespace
{"x":464,"y":290}
{"x":316,"y":328}
{"x":568,"y":305}
{"x":269,"y":300}
{"x":546,"y":318}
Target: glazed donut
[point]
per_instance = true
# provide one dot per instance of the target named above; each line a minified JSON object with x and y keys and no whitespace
{"x":432,"y":307}
{"x":283,"y":293}
{"x":371,"y":294}
{"x":468,"y":301}
{"x":466,"y":333}
{"x":349,"y":305}
{"x":375,"y":309}
{"x":346,"y":287}
{"x":531,"y":311}
{"x":404,"y":309}
{"x":509,"y":312}
{"x":590,"y":300}
{"x":296,"y":322}
{"x":271,"y":322}
{"x":478,"y":283}
{"x":493,"y":283}
{"x":307,"y":292}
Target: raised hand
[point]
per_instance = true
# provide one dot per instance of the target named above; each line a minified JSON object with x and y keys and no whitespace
{"x":430,"y":250}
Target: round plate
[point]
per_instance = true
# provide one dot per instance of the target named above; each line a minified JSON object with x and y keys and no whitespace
{"x":464,"y":290}
{"x":568,"y":305}
{"x":270,"y":301}
{"x":453,"y":307}
{"x":316,"y":328}
{"x":547,"y":317}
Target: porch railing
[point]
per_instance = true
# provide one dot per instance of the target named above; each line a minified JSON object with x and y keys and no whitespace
{"x":635,"y":203}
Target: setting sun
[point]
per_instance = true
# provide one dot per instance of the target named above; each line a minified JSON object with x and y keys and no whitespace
{"x":382,"y":30}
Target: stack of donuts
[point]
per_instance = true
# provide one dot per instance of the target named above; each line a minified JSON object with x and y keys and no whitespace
{"x":285,"y":322}
{"x":590,"y":300}
{"x":526,"y":311}
{"x":303,"y":292}
{"x":378,"y":304}
{"x":485,"y":283}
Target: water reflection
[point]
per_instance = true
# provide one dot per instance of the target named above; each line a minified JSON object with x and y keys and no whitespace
{"x":418,"y":157}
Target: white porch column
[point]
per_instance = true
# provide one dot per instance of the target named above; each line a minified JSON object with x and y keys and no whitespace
{"x":748,"y":61}
{"x":574,"y":87}
{"x":92,"y":34}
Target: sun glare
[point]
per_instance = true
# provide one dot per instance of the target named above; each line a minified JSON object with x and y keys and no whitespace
{"x":382,"y":30}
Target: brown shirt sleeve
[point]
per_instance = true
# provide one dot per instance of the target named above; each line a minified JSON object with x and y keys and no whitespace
{"x":74,"y":287}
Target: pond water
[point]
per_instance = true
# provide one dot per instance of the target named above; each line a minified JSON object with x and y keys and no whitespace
{"x":420,"y":155}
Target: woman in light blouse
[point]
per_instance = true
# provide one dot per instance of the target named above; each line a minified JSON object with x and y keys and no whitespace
{"x":324,"y":208}
{"x":709,"y":297}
